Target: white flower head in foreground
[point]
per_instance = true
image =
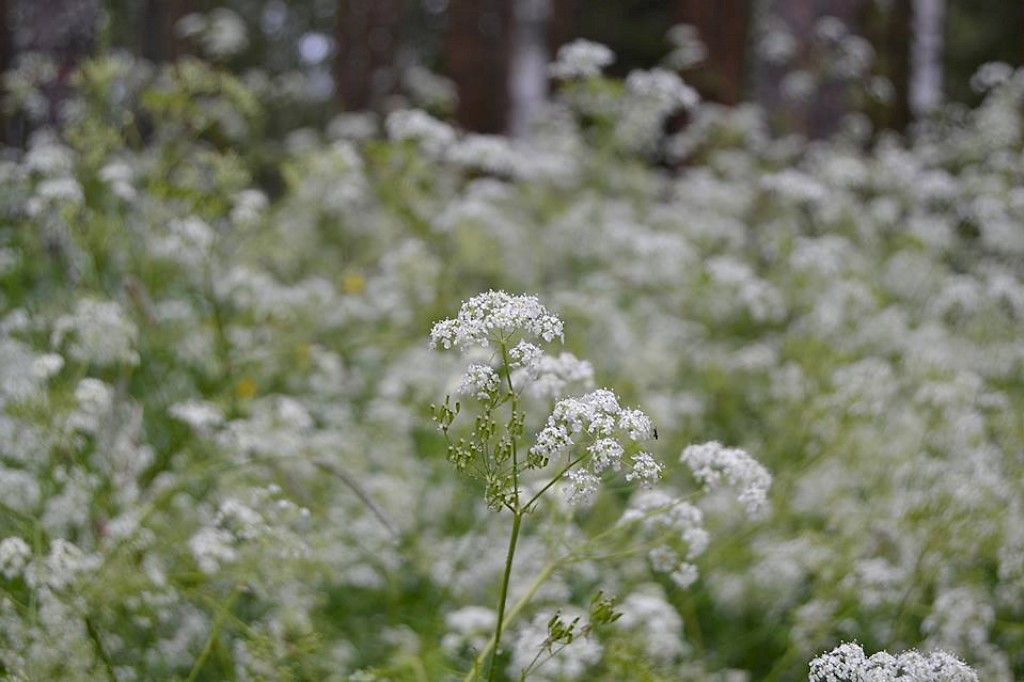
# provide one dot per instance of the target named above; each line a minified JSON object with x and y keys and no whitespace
{"x":848,"y":663}
{"x":479,"y":381}
{"x":581,"y":59}
{"x":717,"y":466}
{"x":598,"y":420}
{"x":496,"y":316}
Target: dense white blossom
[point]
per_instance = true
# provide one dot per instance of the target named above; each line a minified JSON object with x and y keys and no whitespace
{"x":479,"y":381}
{"x":432,"y":135}
{"x":97,"y":332}
{"x":496,"y":317}
{"x":849,"y":663}
{"x":581,"y":59}
{"x":716,"y":466}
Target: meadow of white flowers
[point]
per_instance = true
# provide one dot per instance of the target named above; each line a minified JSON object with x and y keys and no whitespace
{"x":722,"y":406}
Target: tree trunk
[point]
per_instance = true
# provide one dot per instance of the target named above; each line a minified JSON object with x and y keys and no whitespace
{"x":159,"y":39}
{"x":723,"y":27}
{"x":479,"y":56}
{"x":64,"y":30}
{"x":821,"y":114}
{"x":928,"y":48}
{"x":6,"y":51}
{"x":368,"y":36}
{"x":528,"y":79}
{"x":562,"y":24}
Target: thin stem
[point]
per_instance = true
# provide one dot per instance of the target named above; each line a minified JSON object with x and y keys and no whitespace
{"x":513,"y":612}
{"x":553,"y":481}
{"x":218,"y":623}
{"x":515,"y":409}
{"x":350,"y":481}
{"x":517,"y":520}
{"x":101,"y":651}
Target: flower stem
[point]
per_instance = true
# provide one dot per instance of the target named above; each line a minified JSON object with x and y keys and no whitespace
{"x":517,"y":520}
{"x":513,"y":612}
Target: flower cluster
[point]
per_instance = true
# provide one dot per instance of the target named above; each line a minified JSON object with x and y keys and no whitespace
{"x":716,"y":466}
{"x":496,"y":316}
{"x":581,"y":59}
{"x":595,"y":419}
{"x":849,"y":663}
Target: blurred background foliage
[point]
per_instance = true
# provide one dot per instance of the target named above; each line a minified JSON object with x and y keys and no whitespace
{"x":363,"y":54}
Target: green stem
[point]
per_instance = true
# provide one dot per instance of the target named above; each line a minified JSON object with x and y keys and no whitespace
{"x":101,"y":651}
{"x":553,"y":481}
{"x":513,"y":612}
{"x":512,"y":394}
{"x":215,"y":629}
{"x":517,"y":520}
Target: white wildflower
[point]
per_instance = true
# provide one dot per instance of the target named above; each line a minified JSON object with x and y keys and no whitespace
{"x":433,"y":136}
{"x":479,"y":381}
{"x":715,"y":466}
{"x":849,"y":663}
{"x":496,"y":317}
{"x":581,"y":59}
{"x":549,"y":376}
{"x":198,"y":414}
{"x":685,"y":575}
{"x":14,"y":556}
{"x":645,"y":469}
{"x":100,"y":333}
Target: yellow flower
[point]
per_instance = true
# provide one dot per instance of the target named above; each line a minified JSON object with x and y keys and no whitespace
{"x":245,"y":389}
{"x":353,"y":284}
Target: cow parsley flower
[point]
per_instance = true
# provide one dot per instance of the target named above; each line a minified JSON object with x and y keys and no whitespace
{"x":645,"y":469}
{"x":598,"y":418}
{"x":99,"y":333}
{"x":848,"y":663}
{"x":649,"y":614}
{"x":548,"y":376}
{"x":677,"y":524}
{"x":716,"y":466}
{"x":664,"y":89}
{"x":479,"y":381}
{"x":14,"y":555}
{"x":200,"y":415}
{"x":581,"y":59}
{"x":524,"y":356}
{"x":496,"y":317}
{"x":433,"y":136}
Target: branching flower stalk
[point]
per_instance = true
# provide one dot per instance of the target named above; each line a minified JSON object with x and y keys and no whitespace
{"x":588,"y":435}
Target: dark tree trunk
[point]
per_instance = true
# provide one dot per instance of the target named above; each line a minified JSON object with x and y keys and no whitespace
{"x":896,"y":62}
{"x":64,"y":30}
{"x":479,"y":56}
{"x":6,"y":51}
{"x":723,"y":27}
{"x":368,"y":36}
{"x":563,"y":24}
{"x":159,"y":39}
{"x":822,"y":114}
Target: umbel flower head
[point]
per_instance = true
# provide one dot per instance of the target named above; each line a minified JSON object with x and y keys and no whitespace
{"x":496,"y":316}
{"x":591,"y":433}
{"x":598,"y":420}
{"x":849,"y":663}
